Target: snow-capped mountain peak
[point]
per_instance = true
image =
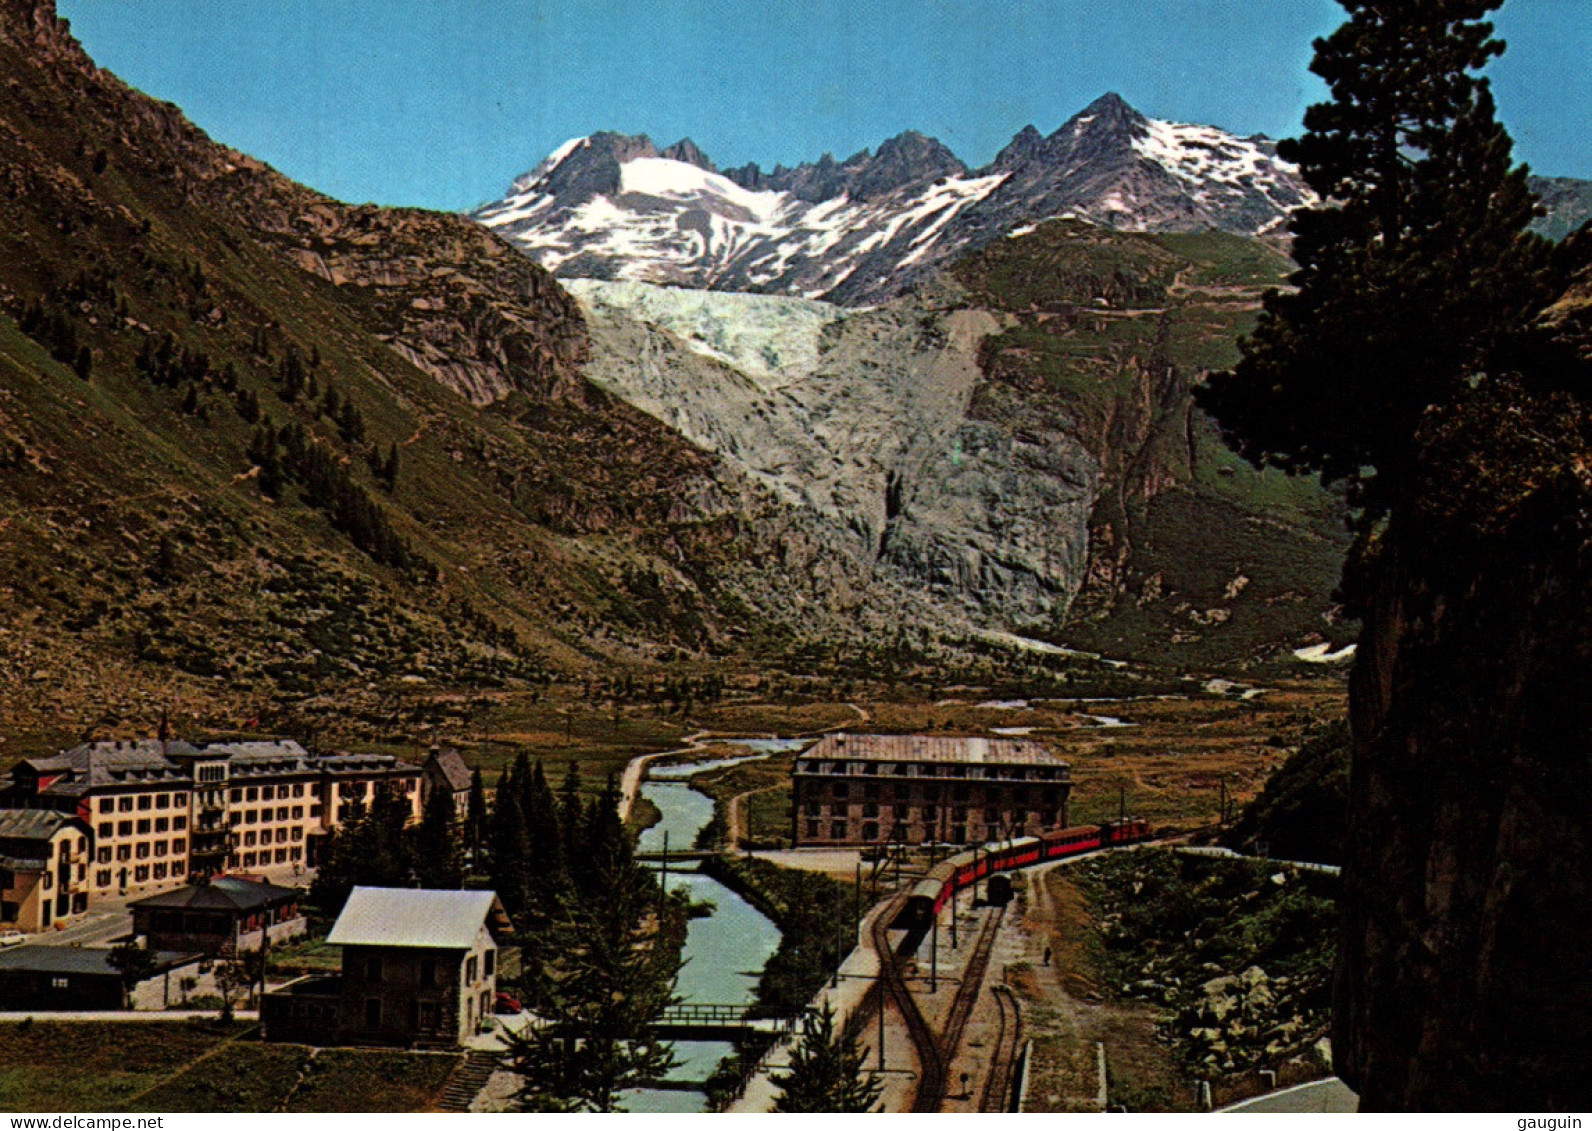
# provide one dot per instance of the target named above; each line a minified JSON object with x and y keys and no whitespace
{"x":613,"y":206}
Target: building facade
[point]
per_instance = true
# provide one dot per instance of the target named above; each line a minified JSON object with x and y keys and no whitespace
{"x":862,"y":789}
{"x":160,"y":810}
{"x":43,"y":868}
{"x":444,"y":771}
{"x":218,"y":917}
{"x":419,"y":970}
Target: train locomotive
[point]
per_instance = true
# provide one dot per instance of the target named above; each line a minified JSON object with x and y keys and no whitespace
{"x":953,"y":874}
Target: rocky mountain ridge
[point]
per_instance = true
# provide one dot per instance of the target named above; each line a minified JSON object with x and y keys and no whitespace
{"x":878,"y":223}
{"x":871,"y":226}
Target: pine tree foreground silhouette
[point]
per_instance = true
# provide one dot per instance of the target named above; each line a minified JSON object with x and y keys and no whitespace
{"x":1423,"y":362}
{"x":826,"y":1072}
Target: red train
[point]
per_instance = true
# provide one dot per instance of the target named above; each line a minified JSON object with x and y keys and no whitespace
{"x":955,"y":873}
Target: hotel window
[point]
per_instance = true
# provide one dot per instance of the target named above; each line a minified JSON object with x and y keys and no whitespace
{"x":124,"y":852}
{"x":179,"y":799}
{"x":295,"y":853}
{"x":105,"y":829}
{"x":161,"y":824}
{"x":102,"y":878}
{"x":837,"y":830}
{"x":281,"y":813}
{"x":250,"y":816}
{"x":298,"y":789}
{"x":281,"y":836}
{"x":124,"y":804}
{"x":104,"y":856}
{"x":107,"y":804}
{"x":179,"y":823}
{"x":179,"y":846}
{"x":124,"y":828}
{"x":298,"y":833}
{"x":489,"y":963}
{"x":145,"y":801}
{"x":141,"y":850}
{"x":470,"y":968}
{"x":235,"y":817}
{"x":162,"y":801}
{"x":160,"y":848}
{"x":248,"y":859}
{"x":178,"y":867}
{"x":160,"y":871}
{"x":267,"y":793}
{"x":143,"y":826}
{"x":298,"y":812}
{"x":248,"y":839}
{"x":281,"y":856}
{"x":237,"y":795}
{"x":141,"y":874}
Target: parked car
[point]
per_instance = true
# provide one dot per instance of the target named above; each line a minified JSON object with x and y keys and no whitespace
{"x":12,"y":937}
{"x":507,"y":1003}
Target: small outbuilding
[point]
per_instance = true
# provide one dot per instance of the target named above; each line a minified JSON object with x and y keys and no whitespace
{"x":218,"y":916}
{"x":70,"y":978}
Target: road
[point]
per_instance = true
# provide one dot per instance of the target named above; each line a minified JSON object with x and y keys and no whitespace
{"x":1329,"y":1095}
{"x":110,"y":920}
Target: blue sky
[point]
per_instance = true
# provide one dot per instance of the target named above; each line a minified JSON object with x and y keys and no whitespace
{"x":440,"y":103}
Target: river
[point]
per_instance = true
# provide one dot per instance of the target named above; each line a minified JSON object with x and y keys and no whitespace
{"x":725,"y":952}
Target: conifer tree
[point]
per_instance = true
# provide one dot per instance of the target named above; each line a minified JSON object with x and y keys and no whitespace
{"x":475,"y":815}
{"x":617,"y":976}
{"x":1412,"y":268}
{"x":508,"y":866}
{"x":438,"y":853}
{"x":826,"y":1072}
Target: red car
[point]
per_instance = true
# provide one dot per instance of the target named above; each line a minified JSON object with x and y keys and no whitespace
{"x":507,"y":1003}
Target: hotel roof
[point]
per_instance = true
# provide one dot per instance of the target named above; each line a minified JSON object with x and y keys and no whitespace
{"x":932,"y":748}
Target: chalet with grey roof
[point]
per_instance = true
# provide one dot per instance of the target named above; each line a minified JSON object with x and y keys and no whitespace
{"x":419,"y":970}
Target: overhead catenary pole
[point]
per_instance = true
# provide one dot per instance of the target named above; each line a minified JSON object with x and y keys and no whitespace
{"x":934,"y":954}
{"x":663,"y":879}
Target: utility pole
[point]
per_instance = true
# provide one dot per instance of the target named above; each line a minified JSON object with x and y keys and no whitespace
{"x":1122,"y":800}
{"x":1222,"y":816}
{"x":663,"y":879}
{"x":934,"y":954}
{"x":856,"y":898}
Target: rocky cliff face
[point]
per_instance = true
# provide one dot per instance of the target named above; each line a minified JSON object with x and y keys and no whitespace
{"x":1462,"y":980}
{"x":860,"y":421}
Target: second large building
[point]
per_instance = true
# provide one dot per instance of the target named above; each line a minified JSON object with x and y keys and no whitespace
{"x":861,"y":789}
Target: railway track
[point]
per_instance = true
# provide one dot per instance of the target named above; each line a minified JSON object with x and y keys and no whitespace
{"x":935,"y":1053}
{"x":998,"y":1085}
{"x":972,"y":982}
{"x":931,"y":1065}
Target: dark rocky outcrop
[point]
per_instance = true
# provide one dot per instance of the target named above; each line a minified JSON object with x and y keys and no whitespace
{"x":1462,"y":980}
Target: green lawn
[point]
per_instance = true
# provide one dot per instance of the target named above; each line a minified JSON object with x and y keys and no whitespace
{"x":89,"y":1065}
{"x":373,"y":1080}
{"x":245,"y":1076}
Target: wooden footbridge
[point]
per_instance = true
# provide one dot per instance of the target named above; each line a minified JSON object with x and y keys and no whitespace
{"x":699,"y":1021}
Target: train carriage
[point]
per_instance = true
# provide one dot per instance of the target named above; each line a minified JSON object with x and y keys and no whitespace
{"x":950,"y":876}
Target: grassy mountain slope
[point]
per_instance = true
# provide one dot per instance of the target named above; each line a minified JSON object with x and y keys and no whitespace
{"x":1195,"y":558}
{"x":194,"y":515}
